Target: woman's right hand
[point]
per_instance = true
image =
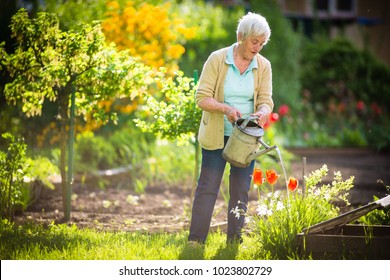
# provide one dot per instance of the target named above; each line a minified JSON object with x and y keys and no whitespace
{"x":232,"y":114}
{"x":211,"y":105}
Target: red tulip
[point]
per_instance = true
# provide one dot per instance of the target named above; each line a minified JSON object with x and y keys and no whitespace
{"x":283,"y":110}
{"x":272,"y":176}
{"x":258,"y":176}
{"x":293,"y":184}
{"x":377,"y":110}
{"x":360,"y":105}
{"x":273,"y":117}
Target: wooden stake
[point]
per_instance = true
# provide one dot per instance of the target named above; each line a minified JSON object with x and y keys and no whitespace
{"x":303,"y":176}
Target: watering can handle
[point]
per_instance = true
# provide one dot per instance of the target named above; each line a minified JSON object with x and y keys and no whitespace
{"x":245,"y":123}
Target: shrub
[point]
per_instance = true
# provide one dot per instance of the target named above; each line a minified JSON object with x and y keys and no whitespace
{"x":13,"y":168}
{"x":346,"y":89}
{"x":22,"y":178}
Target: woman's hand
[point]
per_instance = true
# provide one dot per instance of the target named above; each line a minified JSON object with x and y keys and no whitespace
{"x":262,"y":116}
{"x":232,"y":114}
{"x":211,"y":105}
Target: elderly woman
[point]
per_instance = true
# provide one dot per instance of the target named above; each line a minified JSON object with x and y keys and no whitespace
{"x":236,"y":82}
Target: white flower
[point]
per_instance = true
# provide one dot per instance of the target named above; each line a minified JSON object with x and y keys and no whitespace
{"x":279,"y":206}
{"x":277,"y":194}
{"x":262,"y":210}
{"x":236,"y":212}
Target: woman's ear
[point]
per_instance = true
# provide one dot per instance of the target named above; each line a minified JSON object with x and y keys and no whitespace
{"x":239,"y":37}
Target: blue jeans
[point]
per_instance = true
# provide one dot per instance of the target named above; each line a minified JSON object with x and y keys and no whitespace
{"x":213,"y":167}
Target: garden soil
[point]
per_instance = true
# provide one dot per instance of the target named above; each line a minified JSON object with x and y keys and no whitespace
{"x":167,"y":209}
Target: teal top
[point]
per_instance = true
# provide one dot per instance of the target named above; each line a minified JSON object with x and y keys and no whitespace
{"x":238,"y":89}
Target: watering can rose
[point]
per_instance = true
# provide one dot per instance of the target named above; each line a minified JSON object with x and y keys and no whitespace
{"x":292,"y":184}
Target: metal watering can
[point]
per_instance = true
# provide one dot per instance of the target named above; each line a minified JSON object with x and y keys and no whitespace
{"x":244,"y":143}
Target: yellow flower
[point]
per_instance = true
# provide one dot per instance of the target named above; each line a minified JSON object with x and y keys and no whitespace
{"x":175,"y":51}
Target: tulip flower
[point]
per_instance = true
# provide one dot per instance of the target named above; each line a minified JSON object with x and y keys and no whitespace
{"x":283,"y":110}
{"x":360,"y":105}
{"x":376,"y":109}
{"x":273,"y":117}
{"x":272,"y":176}
{"x":258,"y":177}
{"x":292,"y":184}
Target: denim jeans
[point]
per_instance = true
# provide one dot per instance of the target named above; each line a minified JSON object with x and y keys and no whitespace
{"x":213,"y":167}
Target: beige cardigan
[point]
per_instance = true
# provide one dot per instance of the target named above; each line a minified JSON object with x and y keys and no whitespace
{"x":211,"y":84}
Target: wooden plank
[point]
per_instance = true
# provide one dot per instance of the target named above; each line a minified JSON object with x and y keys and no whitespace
{"x":323,"y":246}
{"x":343,"y":219}
{"x":219,"y":226}
{"x":359,"y":230}
{"x":362,"y":230}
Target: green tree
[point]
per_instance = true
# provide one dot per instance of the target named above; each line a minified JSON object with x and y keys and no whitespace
{"x":52,"y":65}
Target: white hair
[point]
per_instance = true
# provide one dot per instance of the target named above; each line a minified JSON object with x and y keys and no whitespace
{"x":253,"y":25}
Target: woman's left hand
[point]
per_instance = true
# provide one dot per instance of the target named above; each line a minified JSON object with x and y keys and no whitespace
{"x":262,"y":117}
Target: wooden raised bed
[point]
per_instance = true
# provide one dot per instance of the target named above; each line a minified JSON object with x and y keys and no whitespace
{"x":335,"y":239}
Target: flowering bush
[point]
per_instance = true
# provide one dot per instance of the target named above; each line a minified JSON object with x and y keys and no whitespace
{"x":149,"y":31}
{"x":280,"y":216}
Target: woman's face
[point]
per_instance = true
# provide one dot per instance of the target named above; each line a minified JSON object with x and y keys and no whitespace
{"x":253,"y":45}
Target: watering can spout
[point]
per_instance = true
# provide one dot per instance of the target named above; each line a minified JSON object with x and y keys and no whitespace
{"x":262,"y":152}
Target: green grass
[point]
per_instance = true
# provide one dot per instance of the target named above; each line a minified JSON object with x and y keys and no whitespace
{"x":62,"y":242}
{"x":271,"y":234}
